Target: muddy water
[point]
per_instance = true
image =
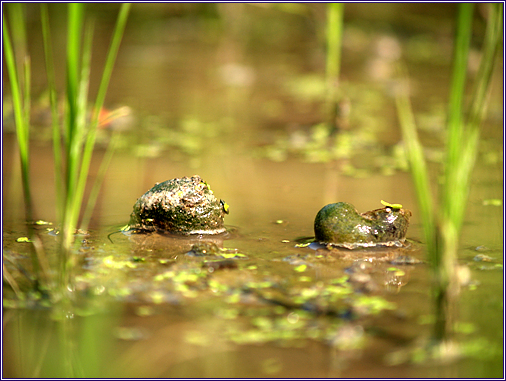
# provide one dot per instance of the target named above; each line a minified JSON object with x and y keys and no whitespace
{"x":240,"y":317}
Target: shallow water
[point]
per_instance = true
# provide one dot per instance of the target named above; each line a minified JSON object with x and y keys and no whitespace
{"x":146,"y":309}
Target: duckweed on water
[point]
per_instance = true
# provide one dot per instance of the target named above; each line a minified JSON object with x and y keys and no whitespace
{"x":300,"y":268}
{"x":42,"y":222}
{"x":23,"y":240}
{"x":373,"y":304}
{"x":360,"y":134}
{"x":258,"y":308}
{"x":493,"y":202}
{"x":232,"y":255}
{"x":396,"y":271}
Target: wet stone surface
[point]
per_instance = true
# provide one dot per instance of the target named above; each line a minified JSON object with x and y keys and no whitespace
{"x":184,"y":205}
{"x":340,"y":224}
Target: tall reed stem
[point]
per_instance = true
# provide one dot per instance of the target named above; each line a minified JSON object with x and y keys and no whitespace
{"x":335,"y":13}
{"x":78,"y":133}
{"x":21,"y":105}
{"x":443,"y":223}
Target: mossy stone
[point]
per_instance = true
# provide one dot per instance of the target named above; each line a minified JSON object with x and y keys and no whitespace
{"x":340,"y":224}
{"x":184,"y":205}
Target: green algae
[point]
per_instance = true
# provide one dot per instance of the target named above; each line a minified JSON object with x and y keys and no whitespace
{"x":185,"y":206}
{"x":340,"y":224}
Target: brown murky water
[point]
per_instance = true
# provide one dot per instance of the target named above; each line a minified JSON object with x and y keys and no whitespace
{"x":208,"y":103}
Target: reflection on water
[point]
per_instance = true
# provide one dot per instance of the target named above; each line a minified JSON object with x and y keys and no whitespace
{"x":204,"y":105}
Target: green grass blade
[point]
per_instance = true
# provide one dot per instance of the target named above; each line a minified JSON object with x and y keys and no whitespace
{"x":454,"y":192}
{"x":442,"y":226}
{"x":56,"y":134}
{"x":74,"y":31}
{"x":20,"y":118}
{"x":75,"y":199}
{"x":82,"y":98}
{"x":334,"y":38}
{"x":419,"y":171}
{"x":17,"y":21}
{"x":493,"y":38}
{"x":111,"y":57}
{"x":470,"y":141}
{"x":21,"y":107}
{"x":25,"y":131}
{"x":27,"y":98}
{"x":457,"y":88}
{"x":333,"y":61}
{"x":111,"y":147}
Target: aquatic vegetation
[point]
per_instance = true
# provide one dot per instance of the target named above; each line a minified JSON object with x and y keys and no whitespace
{"x":257,"y":307}
{"x":185,"y":206}
{"x":19,"y":76}
{"x":18,"y":67}
{"x":73,"y":133}
{"x":340,"y":224}
{"x":188,"y":136}
{"x":186,"y":305}
{"x":335,"y":15}
{"x":443,"y":222}
{"x":359,"y":147}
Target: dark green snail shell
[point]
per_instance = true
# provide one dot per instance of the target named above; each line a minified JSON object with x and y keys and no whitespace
{"x":340,"y":224}
{"x":184,"y":205}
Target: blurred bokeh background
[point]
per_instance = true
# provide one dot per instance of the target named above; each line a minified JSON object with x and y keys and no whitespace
{"x":235,"y":92}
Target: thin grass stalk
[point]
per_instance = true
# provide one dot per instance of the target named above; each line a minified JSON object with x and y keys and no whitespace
{"x":104,"y":165}
{"x":428,"y":216}
{"x":492,"y":43}
{"x":25,"y":137}
{"x":56,"y":133}
{"x":453,"y":192}
{"x":104,"y":83}
{"x":82,"y":95}
{"x":457,"y":89}
{"x":7,"y":277}
{"x":17,"y":22}
{"x":419,"y":171}
{"x":78,"y":137}
{"x":74,"y":29}
{"x":456,"y":186}
{"x":27,"y":93}
{"x":87,"y":132}
{"x":493,"y":38}
{"x":461,"y":151}
{"x":20,"y":119}
{"x":334,"y":33}
{"x":427,"y":207}
{"x":72,"y":144}
{"x":22,"y":109}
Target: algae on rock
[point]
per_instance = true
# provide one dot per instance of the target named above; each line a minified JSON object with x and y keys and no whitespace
{"x":184,"y":205}
{"x":340,"y":224}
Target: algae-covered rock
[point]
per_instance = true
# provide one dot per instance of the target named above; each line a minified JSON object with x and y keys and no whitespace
{"x":183,"y":205}
{"x":340,"y":224}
